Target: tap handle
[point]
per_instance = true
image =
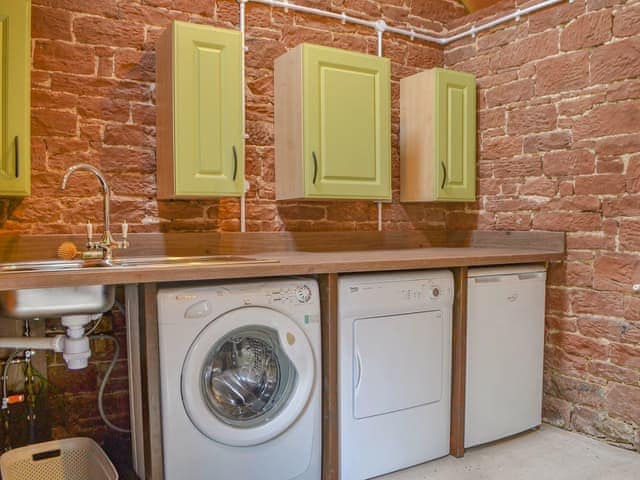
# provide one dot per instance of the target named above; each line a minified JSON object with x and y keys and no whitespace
{"x":89,"y":231}
{"x":125,"y":230}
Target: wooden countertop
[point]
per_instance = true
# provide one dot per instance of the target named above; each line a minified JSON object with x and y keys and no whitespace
{"x":289,"y":263}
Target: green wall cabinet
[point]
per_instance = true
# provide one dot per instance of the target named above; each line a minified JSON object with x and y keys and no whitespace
{"x":15,"y":91}
{"x":199,"y":112}
{"x":438,"y":137}
{"x":332,"y":125}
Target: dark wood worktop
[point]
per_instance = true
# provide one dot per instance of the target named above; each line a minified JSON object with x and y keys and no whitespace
{"x":295,"y":254}
{"x":288,"y":263}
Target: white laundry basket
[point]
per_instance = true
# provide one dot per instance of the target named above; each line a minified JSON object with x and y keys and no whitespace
{"x":69,"y":459}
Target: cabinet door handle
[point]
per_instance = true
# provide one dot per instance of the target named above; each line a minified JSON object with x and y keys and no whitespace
{"x":17,"y":156}
{"x":444,"y":178}
{"x":315,"y":167}
{"x":235,"y":162}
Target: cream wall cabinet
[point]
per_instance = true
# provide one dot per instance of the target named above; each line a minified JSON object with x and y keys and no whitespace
{"x":199,"y":114}
{"x":333,"y":125}
{"x":438,"y":136}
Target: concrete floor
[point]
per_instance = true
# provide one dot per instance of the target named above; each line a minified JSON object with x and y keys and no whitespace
{"x":545,"y":454}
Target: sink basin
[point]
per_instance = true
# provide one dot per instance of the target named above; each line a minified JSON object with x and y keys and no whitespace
{"x":50,"y":265}
{"x":57,"y":301}
{"x":92,"y":299}
{"x":186,"y":261}
{"x":124,"y":262}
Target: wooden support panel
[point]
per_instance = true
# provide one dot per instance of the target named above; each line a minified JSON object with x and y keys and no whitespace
{"x":150,"y":370}
{"x":459,"y":362}
{"x":330,"y":439}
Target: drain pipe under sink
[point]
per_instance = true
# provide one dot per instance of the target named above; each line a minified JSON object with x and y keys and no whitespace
{"x":74,"y":346}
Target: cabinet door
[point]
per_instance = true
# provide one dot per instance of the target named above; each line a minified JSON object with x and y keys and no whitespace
{"x":346,"y":123}
{"x":455,"y":136}
{"x":15,"y":35}
{"x":207,"y":96}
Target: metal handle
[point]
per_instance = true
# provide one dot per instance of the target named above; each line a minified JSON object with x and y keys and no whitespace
{"x":315,"y":167}
{"x":235,"y":162}
{"x":17,"y":157}
{"x":444,"y":178}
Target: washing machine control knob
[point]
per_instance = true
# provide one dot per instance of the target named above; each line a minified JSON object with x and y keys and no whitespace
{"x":435,"y":292}
{"x":303,"y":294}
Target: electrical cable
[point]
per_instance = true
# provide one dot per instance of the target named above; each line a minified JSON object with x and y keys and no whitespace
{"x":95,"y":326}
{"x":105,"y":379}
{"x":5,"y":378}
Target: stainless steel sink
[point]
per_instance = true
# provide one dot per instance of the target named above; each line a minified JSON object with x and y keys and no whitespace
{"x":131,"y":262}
{"x":186,"y":261}
{"x":57,"y":301}
{"x":82,"y":300}
{"x":50,"y":265}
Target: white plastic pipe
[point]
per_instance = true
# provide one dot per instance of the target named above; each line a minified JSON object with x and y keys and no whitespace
{"x":243,"y":197}
{"x":519,"y":13}
{"x":380,"y":28}
{"x":413,"y":34}
{"x":33,"y":343}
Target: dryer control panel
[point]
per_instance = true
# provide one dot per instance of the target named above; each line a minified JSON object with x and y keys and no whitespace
{"x":397,"y":295}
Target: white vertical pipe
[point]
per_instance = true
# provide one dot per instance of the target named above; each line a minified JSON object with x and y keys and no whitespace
{"x":380,"y":27}
{"x":243,"y":197}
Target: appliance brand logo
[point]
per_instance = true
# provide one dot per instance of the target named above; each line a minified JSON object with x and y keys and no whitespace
{"x":184,"y":296}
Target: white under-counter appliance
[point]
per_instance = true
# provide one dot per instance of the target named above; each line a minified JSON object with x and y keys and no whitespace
{"x":241,"y":380}
{"x":505,"y":348}
{"x":394,"y":351}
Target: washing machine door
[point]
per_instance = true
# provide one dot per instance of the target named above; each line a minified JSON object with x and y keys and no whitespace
{"x":247,"y":376}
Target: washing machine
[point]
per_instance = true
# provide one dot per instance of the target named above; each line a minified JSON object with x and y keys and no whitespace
{"x":241,"y":381}
{"x":394,"y":348}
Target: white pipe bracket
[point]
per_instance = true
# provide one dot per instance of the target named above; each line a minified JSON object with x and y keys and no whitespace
{"x":286,"y":2}
{"x":344,"y":18}
{"x":412,"y":34}
{"x":473,"y":31}
{"x":518,"y":13}
{"x":381,"y":26}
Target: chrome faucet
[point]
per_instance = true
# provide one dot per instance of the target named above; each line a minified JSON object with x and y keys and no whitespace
{"x":103,"y":248}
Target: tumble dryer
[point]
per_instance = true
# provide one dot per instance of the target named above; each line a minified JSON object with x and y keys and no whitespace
{"x":394,"y":370}
{"x":240,"y":380}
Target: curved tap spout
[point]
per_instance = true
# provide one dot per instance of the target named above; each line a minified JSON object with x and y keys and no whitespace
{"x":103,"y":184}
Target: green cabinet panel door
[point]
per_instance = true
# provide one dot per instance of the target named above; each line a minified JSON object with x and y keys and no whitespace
{"x":347,"y":126}
{"x":332,"y":125}
{"x":206,"y":113}
{"x":15,"y":48}
{"x":455,"y":136}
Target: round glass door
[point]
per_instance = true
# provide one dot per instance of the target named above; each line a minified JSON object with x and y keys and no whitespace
{"x":247,"y":378}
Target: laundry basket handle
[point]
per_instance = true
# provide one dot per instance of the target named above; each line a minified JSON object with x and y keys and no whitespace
{"x":45,"y":455}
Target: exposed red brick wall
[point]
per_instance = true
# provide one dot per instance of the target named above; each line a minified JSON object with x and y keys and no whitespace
{"x":93,"y":101}
{"x":559,"y":143}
